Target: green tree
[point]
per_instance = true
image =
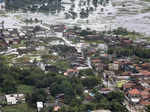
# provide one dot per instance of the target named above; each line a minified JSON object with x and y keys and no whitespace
{"x":9,"y":85}
{"x":90,"y":82}
{"x":117,"y":107}
{"x":118,"y":96}
{"x":147,"y":108}
{"x":37,"y":95}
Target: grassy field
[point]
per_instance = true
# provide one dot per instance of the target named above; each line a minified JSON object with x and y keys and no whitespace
{"x":18,"y":108}
{"x":25,"y":89}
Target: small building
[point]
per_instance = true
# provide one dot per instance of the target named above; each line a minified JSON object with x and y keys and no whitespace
{"x":12,"y":99}
{"x":105,"y":90}
{"x":134,"y":96}
{"x":93,"y":37}
{"x":113,"y":66}
{"x":57,"y":108}
{"x":39,"y":106}
{"x":71,"y":72}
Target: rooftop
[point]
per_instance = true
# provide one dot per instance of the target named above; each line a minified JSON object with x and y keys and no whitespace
{"x":134,"y":92}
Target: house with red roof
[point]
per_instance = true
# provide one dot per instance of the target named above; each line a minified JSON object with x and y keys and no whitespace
{"x":71,"y":72}
{"x":134,"y":96}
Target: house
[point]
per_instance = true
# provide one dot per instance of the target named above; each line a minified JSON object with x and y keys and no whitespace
{"x":57,"y":108}
{"x":114,"y":66}
{"x":134,"y":96}
{"x":94,"y":61}
{"x":40,"y":34}
{"x":105,"y":90}
{"x":145,"y":103}
{"x":124,"y":76}
{"x":60,"y":96}
{"x":145,"y":73}
{"x":88,"y":97}
{"x":139,"y":41}
{"x":145,"y":65}
{"x":128,"y":85}
{"x":71,"y":72}
{"x":145,"y":83}
{"x":58,"y":28}
{"x":145,"y":97}
{"x":126,"y":41}
{"x":12,"y":99}
{"x":39,"y":106}
{"x":92,"y":37}
{"x":107,"y":74}
{"x":145,"y":94}
{"x":103,"y":47}
{"x":52,"y":68}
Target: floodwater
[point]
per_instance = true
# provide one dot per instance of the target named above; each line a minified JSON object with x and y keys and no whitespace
{"x":131,"y":14}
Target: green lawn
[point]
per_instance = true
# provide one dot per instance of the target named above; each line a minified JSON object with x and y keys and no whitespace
{"x":25,"y":89}
{"x":94,"y":42}
{"x":18,"y":108}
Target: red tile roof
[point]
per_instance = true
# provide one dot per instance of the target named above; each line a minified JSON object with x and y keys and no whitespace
{"x":145,"y":72}
{"x":96,"y":61}
{"x":145,"y":65}
{"x":72,"y":70}
{"x":105,"y":89}
{"x":116,"y":62}
{"x":145,"y":94}
{"x":126,"y":73}
{"x":145,"y":102}
{"x":147,"y":89}
{"x":134,"y":92}
{"x":129,"y":85}
{"x":138,"y":68}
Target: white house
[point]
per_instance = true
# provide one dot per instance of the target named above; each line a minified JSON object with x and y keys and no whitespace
{"x":39,"y":106}
{"x":113,"y":66}
{"x":12,"y":99}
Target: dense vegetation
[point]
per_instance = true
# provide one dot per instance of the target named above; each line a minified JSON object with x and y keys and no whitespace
{"x":34,"y":83}
{"x":112,"y":101}
{"x":130,"y":51}
{"x":124,"y":32}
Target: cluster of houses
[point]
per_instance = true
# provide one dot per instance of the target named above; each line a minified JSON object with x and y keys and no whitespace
{"x":129,"y":74}
{"x":126,"y":74}
{"x":132,"y":79}
{"x":37,"y":46}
